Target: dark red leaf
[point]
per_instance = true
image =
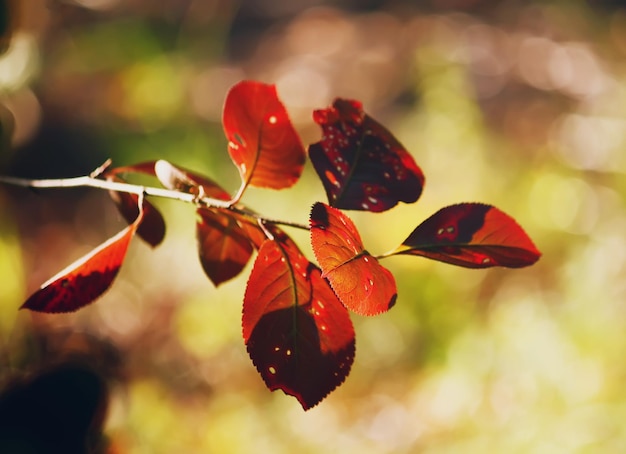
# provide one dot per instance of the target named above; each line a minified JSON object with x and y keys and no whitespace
{"x":87,"y":278}
{"x":183,"y":180}
{"x":472,"y":235}
{"x":360,"y":282}
{"x":152,"y":227}
{"x":261,"y":139}
{"x":298,"y":334}
{"x":361,"y":164}
{"x":224,"y":246}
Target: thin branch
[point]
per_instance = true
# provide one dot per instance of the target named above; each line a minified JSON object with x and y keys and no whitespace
{"x":113,"y":186}
{"x":89,"y":181}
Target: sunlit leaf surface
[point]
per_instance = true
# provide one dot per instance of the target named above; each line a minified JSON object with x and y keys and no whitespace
{"x":261,"y":139}
{"x":472,"y":235}
{"x":360,"y":282}
{"x":86,"y":279}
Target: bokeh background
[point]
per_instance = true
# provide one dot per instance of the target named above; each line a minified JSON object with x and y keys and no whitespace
{"x":514,"y":103}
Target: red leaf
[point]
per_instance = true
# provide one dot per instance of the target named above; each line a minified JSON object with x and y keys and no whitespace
{"x":224,"y":246}
{"x":87,"y":278}
{"x":360,"y":282}
{"x":472,"y":235}
{"x":152,"y":227}
{"x":299,"y":336}
{"x":183,"y":180}
{"x":361,"y":164}
{"x":261,"y":139}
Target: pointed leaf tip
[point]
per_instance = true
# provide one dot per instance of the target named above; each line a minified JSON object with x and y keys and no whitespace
{"x":472,"y":235}
{"x":87,"y":278}
{"x":362,"y":284}
{"x":361,"y":164}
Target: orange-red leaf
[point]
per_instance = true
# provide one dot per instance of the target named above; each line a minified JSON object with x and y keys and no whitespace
{"x":262,"y":142}
{"x":361,"y":164}
{"x":298,"y":334}
{"x":87,"y":278}
{"x":360,"y":282}
{"x":473,"y":235}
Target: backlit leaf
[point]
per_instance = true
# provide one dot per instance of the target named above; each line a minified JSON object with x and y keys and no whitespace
{"x":298,"y":334}
{"x":361,"y":164}
{"x":262,"y":142}
{"x":472,"y":235}
{"x":87,"y":278}
{"x":361,"y":283}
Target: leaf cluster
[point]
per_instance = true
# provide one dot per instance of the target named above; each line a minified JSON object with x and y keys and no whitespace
{"x":296,"y":321}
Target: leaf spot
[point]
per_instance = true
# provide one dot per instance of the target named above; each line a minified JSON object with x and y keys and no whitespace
{"x":365,"y":206}
{"x":272,"y":119}
{"x":333,"y":180}
{"x":486,"y":260}
{"x":272,"y":370}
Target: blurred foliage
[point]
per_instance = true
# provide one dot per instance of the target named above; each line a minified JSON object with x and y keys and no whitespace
{"x":518,"y":104}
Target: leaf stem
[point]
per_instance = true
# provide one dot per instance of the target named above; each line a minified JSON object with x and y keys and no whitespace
{"x":386,"y":254}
